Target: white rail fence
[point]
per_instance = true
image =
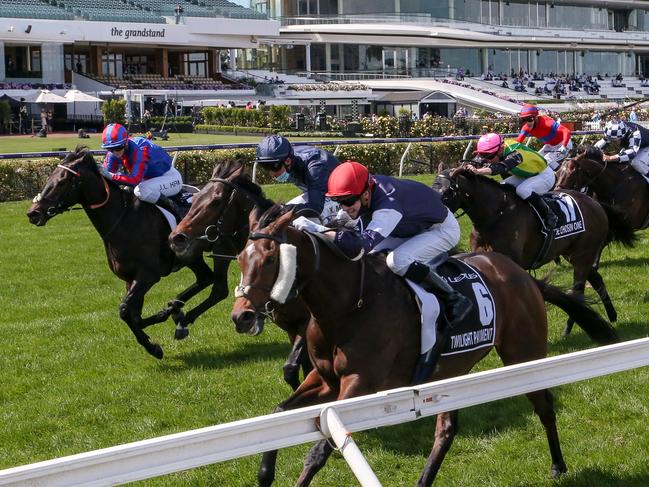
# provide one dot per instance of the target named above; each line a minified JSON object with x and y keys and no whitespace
{"x":182,"y":451}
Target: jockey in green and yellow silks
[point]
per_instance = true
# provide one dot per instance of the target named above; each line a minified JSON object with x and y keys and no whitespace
{"x":531,"y":174}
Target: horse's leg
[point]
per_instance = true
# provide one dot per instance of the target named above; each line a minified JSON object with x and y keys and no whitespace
{"x":350,"y":386}
{"x":130,"y":310}
{"x":544,"y":408}
{"x":595,"y":279}
{"x":205,"y":276}
{"x":291,"y":367}
{"x":446,"y":428}
{"x":578,"y":287}
{"x":312,"y":391}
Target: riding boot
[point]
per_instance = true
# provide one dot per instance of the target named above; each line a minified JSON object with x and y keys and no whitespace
{"x":168,"y":204}
{"x":548,"y":216}
{"x":457,"y":306}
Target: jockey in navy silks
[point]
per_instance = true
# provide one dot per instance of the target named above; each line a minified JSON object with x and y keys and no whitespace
{"x":140,"y":163}
{"x":420,"y":227}
{"x":306,"y":167}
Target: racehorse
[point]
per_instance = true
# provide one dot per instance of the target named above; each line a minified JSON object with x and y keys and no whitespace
{"x":618,"y":185}
{"x":134,"y":234}
{"x":364,"y":335}
{"x":505,"y":223}
{"x":218,"y":221}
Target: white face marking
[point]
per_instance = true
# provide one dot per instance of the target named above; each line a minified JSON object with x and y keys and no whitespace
{"x":250,"y":249}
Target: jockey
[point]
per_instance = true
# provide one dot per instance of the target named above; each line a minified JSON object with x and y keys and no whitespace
{"x":140,"y":163}
{"x":531,"y":174}
{"x":404,"y":209}
{"x":555,"y":136}
{"x":634,"y":142}
{"x":306,"y":167}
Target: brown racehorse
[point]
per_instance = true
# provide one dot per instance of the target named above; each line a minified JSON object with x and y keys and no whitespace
{"x":618,"y":185}
{"x":218,"y":222}
{"x":364,"y":335}
{"x":504,"y":223}
{"x":134,"y":234}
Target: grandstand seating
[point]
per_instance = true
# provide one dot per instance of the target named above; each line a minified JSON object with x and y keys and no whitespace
{"x":159,"y":82}
{"x":31,"y":9}
{"x":109,"y":10}
{"x":199,"y":8}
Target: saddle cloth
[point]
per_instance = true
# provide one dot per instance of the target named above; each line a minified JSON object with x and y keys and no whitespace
{"x":571,"y":220}
{"x":477,"y":330}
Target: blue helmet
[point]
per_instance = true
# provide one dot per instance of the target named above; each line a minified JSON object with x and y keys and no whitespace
{"x":274,"y":149}
{"x":114,"y":135}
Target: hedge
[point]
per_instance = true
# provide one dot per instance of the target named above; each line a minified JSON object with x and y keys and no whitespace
{"x":23,"y":179}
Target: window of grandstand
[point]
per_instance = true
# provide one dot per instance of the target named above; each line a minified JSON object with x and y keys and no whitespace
{"x":76,"y":62}
{"x":22,"y":61}
{"x":195,"y":63}
{"x":111,"y":64}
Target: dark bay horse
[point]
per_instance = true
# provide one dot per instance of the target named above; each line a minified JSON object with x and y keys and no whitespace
{"x":218,"y":222}
{"x":505,"y":223}
{"x":618,"y":185}
{"x":134,"y":234}
{"x":364,"y":335}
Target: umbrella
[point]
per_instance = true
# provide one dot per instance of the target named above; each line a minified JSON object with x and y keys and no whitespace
{"x":74,"y":96}
{"x":44,"y":96}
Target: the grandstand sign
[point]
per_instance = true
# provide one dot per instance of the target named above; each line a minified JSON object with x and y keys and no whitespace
{"x":133,"y":33}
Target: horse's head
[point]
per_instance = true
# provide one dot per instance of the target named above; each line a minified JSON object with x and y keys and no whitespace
{"x":581,"y":170}
{"x":268,"y":269}
{"x":452,"y":185}
{"x":63,"y":187}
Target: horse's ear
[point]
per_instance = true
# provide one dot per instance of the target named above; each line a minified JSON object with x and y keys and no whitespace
{"x":440,"y":168}
{"x":253,"y":220}
{"x":284,"y":220}
{"x":236,"y":173}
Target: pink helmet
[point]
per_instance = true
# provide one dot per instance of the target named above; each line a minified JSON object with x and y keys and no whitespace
{"x":489,"y":143}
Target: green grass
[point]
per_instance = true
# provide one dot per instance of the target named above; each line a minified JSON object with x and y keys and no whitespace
{"x":73,"y":378}
{"x":55,"y":142}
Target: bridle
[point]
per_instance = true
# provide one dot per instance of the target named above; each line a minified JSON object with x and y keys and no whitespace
{"x":59,"y":206}
{"x":579,"y":170}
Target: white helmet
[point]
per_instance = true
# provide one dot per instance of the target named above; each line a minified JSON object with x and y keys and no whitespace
{"x":615,"y":130}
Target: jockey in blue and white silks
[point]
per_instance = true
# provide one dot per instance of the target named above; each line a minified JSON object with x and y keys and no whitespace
{"x":634,"y":144}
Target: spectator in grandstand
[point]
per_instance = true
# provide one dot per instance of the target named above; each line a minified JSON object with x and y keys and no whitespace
{"x":555,"y":136}
{"x":306,"y":167}
{"x":139,"y":163}
{"x":530,"y":173}
{"x":412,"y":214}
{"x":634,"y":144}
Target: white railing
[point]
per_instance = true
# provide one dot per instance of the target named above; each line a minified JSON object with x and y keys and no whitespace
{"x":182,"y":451}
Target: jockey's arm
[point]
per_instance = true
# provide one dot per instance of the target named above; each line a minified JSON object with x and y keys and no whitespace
{"x":565,"y":135}
{"x":355,"y":245}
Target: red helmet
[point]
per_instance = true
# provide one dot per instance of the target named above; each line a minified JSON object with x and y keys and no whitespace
{"x":350,"y":178}
{"x":528,"y":111}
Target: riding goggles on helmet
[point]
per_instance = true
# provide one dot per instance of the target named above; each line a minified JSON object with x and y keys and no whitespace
{"x":346,"y":200}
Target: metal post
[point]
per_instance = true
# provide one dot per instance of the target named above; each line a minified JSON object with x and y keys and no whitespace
{"x":465,"y":156}
{"x":254,"y":172}
{"x":403,"y":159}
{"x":334,"y":428}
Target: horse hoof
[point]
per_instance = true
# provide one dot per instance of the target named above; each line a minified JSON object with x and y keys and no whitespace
{"x":181,"y":333}
{"x":558,"y":470}
{"x":156,"y":351}
{"x":612,"y":317}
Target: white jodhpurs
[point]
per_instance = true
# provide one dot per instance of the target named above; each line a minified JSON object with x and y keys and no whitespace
{"x":169,"y":184}
{"x":329,"y":211}
{"x":541,"y":183}
{"x":553,"y":156}
{"x":641,"y":161}
{"x":424,"y":247}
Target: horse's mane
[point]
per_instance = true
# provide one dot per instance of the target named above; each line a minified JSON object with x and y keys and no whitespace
{"x":590,"y":152}
{"x":226,"y":169}
{"x":471,"y":176}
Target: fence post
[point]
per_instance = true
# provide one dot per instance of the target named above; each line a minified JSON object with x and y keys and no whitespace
{"x":403,"y":159}
{"x":333,"y":427}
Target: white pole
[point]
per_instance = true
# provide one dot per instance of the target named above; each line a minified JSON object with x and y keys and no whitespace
{"x":334,"y":428}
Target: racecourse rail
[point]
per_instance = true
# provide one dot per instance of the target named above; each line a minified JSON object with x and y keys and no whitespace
{"x":181,"y":451}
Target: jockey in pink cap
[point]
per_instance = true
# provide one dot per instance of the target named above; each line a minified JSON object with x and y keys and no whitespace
{"x":531,"y":174}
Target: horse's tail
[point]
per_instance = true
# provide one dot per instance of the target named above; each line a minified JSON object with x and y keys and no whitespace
{"x":619,"y":228}
{"x":597,"y":328}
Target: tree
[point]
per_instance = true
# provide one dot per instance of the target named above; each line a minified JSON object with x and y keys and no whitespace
{"x":114,"y":111}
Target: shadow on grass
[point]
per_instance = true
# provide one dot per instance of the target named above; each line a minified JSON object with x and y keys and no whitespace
{"x":590,"y":477}
{"x":625,"y":262}
{"x":214,"y":360}
{"x":627,"y":330}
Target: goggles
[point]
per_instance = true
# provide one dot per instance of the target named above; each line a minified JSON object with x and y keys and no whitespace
{"x":346,"y":200}
{"x":116,"y":149}
{"x":489,"y":156}
{"x":527,"y":119}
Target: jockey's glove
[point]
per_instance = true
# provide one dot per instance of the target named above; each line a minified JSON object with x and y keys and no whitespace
{"x":105,"y":172}
{"x":562,"y":149}
{"x":303,"y":223}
